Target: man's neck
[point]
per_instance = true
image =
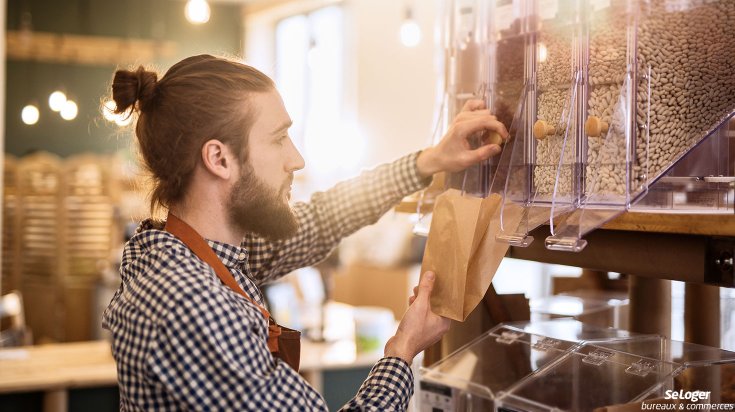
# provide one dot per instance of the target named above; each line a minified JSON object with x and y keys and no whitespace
{"x":209,"y":220}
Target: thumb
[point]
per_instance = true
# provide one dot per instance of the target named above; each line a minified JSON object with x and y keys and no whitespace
{"x":485,"y":152}
{"x":426,"y":285}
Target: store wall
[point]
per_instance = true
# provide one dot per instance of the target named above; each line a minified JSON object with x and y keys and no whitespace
{"x":396,"y":85}
{"x":29,"y":81}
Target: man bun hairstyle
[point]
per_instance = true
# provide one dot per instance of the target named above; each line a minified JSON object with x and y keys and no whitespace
{"x":130,"y":87}
{"x":198,"y":99}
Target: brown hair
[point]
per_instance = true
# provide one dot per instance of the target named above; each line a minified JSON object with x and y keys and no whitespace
{"x":199,"y":98}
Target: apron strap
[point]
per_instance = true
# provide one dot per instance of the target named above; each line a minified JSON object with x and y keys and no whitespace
{"x":201,"y":248}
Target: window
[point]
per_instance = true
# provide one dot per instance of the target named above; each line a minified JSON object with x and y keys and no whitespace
{"x":310,"y":74}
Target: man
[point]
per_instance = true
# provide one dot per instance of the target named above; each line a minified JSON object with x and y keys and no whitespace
{"x":191,"y":332}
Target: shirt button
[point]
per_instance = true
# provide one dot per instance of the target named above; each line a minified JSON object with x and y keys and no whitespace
{"x":242,"y":256}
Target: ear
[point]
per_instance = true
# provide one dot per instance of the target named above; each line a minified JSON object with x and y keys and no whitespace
{"x":217,"y":159}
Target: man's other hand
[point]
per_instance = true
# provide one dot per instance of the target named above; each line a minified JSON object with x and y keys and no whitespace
{"x":420,"y":327}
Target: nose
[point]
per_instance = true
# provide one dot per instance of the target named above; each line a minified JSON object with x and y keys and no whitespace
{"x":296,"y":161}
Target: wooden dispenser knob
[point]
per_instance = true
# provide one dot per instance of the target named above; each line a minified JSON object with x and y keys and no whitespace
{"x":595,"y":127}
{"x":495,"y":138}
{"x":541,"y":130}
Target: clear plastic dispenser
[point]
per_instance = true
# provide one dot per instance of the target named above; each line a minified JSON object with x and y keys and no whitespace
{"x":657,"y":92}
{"x":703,"y":368}
{"x":513,"y":98}
{"x":468,"y":71}
{"x":534,"y":163}
{"x":599,"y":310}
{"x":473,"y":377}
{"x":566,"y":365}
{"x":606,"y":375}
{"x":612,"y":105}
{"x":588,"y":378}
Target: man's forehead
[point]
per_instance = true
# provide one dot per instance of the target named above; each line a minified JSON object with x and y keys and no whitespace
{"x":270,"y":112}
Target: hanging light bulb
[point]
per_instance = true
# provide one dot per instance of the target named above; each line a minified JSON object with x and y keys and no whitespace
{"x":56,"y":100}
{"x":197,"y":11}
{"x":410,"y":30}
{"x":108,"y":110}
{"x":30,"y":114}
{"x":70,"y":110}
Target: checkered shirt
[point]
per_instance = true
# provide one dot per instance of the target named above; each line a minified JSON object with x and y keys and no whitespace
{"x":185,"y":341}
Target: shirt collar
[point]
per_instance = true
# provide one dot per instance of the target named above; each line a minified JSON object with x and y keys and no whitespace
{"x":232,"y":256}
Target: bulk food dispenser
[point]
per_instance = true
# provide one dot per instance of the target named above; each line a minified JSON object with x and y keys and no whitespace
{"x":611,"y":105}
{"x":656,"y":95}
{"x":476,"y":33}
{"x":620,"y":105}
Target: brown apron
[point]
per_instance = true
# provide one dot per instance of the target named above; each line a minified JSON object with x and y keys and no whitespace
{"x":283,"y":343}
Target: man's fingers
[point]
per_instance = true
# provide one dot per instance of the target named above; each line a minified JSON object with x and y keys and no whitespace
{"x":471,"y":126}
{"x":482,"y":153}
{"x":469,"y":115}
{"x":473,"y":104}
{"x":425,"y":286}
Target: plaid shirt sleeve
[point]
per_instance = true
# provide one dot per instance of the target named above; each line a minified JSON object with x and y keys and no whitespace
{"x":332,"y":215}
{"x":389,"y":387}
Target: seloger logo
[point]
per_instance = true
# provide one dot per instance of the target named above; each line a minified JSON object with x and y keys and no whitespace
{"x":694,"y":396}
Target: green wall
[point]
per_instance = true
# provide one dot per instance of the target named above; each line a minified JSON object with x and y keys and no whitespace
{"x":29,"y":81}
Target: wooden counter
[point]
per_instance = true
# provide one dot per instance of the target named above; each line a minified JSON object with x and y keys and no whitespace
{"x":54,"y":369}
{"x":64,"y":365}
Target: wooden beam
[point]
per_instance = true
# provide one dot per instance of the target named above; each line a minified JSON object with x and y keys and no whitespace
{"x":85,"y":50}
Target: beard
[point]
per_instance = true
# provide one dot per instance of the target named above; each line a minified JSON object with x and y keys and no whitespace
{"x":255,"y":207}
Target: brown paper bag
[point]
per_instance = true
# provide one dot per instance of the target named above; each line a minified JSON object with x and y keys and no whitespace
{"x":462,"y":250}
{"x":490,"y":252}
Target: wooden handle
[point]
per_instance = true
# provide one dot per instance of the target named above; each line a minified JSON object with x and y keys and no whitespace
{"x":595,"y":127}
{"x":541,"y":130}
{"x":495,"y":138}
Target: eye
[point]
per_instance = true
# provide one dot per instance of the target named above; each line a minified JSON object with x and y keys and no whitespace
{"x":281,"y":139}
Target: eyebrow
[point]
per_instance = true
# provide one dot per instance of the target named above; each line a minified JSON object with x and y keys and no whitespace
{"x":283,"y":127}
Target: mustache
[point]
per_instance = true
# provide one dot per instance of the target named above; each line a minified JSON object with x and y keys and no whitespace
{"x":287,"y":183}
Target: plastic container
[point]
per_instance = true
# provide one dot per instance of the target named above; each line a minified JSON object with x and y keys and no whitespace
{"x":594,"y":310}
{"x":565,"y":365}
{"x":613,"y":374}
{"x":612,"y":105}
{"x":474,"y":376}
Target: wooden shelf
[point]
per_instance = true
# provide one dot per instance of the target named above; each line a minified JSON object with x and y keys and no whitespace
{"x":693,"y":224}
{"x":686,"y":223}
